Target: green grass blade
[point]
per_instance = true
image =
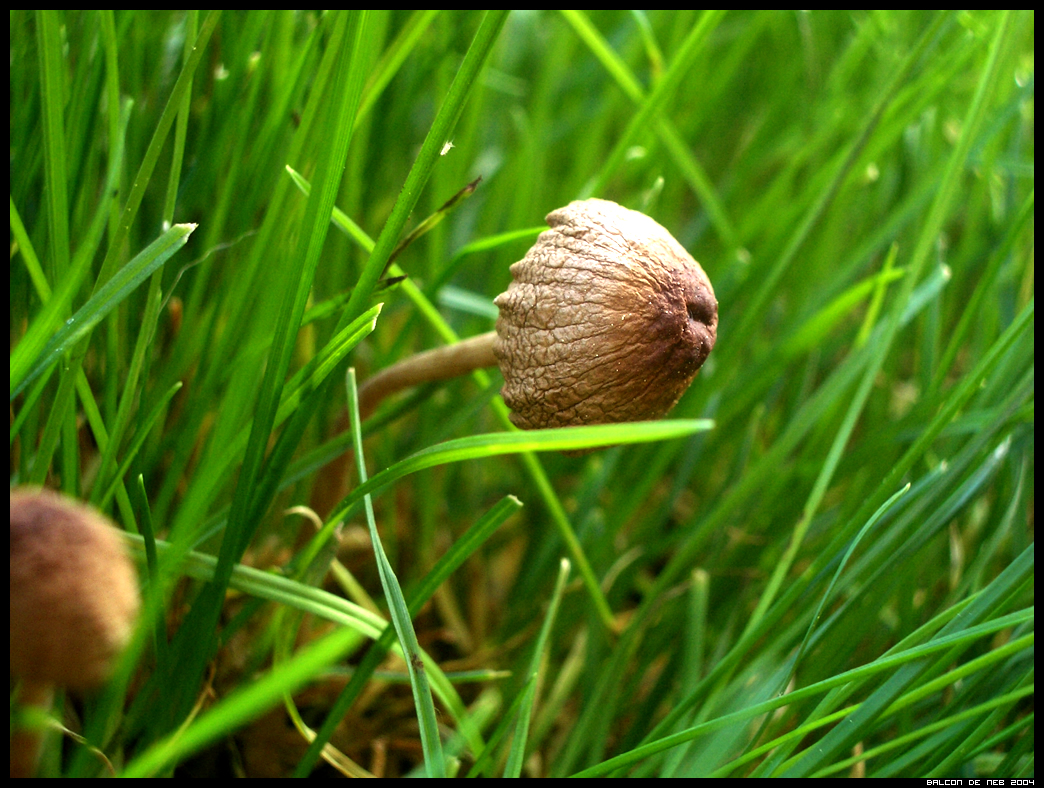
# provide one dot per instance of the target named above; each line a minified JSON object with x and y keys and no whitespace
{"x":27,"y":366}
{"x":562,"y":439}
{"x":441,"y":130}
{"x":517,"y":756}
{"x":400,"y":613}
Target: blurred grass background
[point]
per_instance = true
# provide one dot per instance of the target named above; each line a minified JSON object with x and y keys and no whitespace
{"x":837,"y":578}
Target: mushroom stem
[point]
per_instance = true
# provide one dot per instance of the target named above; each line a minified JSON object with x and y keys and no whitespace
{"x":440,"y":363}
{"x":27,"y":742}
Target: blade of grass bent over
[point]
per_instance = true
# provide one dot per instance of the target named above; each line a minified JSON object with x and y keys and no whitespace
{"x":429,"y":727}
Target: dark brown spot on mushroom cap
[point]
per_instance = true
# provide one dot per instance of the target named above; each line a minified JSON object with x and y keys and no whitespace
{"x":607,"y":319}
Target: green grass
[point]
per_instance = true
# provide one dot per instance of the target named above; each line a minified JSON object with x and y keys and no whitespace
{"x":821,"y":563}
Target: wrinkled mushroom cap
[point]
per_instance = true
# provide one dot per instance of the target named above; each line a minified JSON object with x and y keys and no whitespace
{"x":74,"y":591}
{"x":607,"y":319}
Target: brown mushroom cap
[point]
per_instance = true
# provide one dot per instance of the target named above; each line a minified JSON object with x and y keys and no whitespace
{"x":74,"y":591}
{"x":607,"y":319}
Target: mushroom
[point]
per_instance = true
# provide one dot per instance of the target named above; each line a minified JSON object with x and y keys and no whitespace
{"x":74,"y":600}
{"x":607,"y":319}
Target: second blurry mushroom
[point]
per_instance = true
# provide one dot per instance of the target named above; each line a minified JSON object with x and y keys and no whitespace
{"x":74,"y":600}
